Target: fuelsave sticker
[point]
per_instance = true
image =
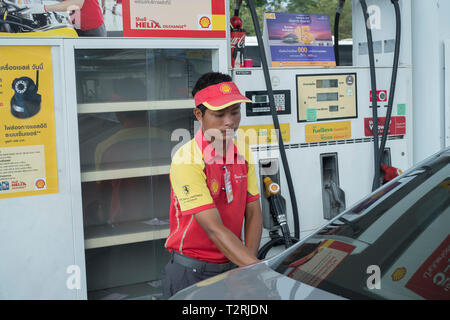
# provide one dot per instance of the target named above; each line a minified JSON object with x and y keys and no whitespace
{"x":432,"y":279}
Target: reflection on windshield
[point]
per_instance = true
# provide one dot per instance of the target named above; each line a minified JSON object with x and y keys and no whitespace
{"x":403,"y":230}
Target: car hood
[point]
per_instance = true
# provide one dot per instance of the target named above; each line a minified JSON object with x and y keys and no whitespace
{"x":255,"y":282}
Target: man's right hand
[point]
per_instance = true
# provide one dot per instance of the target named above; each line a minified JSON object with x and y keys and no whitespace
{"x":227,"y":242}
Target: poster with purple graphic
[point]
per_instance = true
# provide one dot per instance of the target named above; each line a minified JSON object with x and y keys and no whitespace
{"x":299,"y":39}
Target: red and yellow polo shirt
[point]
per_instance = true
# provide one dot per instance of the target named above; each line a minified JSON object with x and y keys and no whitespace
{"x":197,"y":184}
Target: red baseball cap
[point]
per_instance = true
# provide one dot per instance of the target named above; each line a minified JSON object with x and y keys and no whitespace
{"x":219,"y":96}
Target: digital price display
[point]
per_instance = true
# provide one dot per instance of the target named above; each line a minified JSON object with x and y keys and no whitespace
{"x":327,"y":83}
{"x":260,"y":102}
{"x":326,"y":97}
{"x":260,"y":99}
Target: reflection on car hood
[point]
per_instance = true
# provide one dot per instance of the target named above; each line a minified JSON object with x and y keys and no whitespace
{"x":255,"y":282}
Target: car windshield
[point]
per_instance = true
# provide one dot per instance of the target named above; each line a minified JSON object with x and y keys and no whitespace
{"x":394,"y":244}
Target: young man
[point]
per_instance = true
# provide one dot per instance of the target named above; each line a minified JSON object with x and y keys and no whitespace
{"x":214,"y":192}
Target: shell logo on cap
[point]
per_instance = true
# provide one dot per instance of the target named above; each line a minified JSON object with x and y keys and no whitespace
{"x":225,"y":88}
{"x":398,"y":274}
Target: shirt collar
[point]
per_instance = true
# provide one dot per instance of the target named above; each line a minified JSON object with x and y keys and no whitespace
{"x":208,"y":151}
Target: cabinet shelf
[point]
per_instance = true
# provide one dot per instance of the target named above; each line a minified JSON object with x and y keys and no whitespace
{"x":102,"y":175}
{"x":123,"y":233}
{"x":102,"y":107}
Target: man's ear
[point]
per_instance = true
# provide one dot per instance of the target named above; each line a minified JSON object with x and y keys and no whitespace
{"x":198,"y":114}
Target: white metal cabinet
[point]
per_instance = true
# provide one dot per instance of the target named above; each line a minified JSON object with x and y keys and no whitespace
{"x":130,"y":97}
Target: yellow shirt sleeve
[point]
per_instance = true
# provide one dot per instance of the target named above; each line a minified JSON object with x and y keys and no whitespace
{"x":188,"y":182}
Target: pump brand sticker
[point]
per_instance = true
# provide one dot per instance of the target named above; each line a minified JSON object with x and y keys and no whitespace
{"x":27,"y":122}
{"x":432,"y":279}
{"x":396,"y":127}
{"x":328,"y":131}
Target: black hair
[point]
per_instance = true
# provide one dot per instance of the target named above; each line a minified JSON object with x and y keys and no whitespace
{"x":206,"y":80}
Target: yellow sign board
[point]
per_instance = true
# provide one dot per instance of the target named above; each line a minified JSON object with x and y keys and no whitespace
{"x":27,"y":124}
{"x":320,"y":132}
{"x":264,"y":134}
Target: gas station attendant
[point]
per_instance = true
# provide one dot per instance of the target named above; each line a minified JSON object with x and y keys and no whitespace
{"x":90,"y":15}
{"x":214,"y":192}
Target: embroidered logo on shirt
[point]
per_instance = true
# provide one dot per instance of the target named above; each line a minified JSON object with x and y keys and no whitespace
{"x":214,"y":186}
{"x":186,"y":189}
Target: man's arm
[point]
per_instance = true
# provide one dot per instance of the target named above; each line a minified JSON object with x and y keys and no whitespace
{"x":253,"y":226}
{"x":66,"y":5}
{"x":225,"y":240}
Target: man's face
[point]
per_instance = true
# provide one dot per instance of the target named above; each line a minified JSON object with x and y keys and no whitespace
{"x":220,"y":124}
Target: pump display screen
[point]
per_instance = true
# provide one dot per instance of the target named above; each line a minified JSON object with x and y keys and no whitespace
{"x":260,"y":99}
{"x":327,"y":96}
{"x":334,"y":108}
{"x":260,"y":102}
{"x":327,"y":83}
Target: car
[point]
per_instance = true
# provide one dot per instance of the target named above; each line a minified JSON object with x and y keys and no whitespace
{"x":393,"y":244}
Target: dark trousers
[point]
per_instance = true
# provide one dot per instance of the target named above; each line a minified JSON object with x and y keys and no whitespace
{"x":177,"y":277}
{"x":97,"y":32}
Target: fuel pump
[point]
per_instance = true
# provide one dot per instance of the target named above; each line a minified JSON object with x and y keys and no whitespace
{"x":329,"y":170}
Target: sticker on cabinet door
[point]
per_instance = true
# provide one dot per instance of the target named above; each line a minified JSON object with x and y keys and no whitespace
{"x":27,"y":128}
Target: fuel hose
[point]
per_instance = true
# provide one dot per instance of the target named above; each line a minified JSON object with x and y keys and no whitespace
{"x":373,"y":83}
{"x":393,"y":78}
{"x":276,"y":122}
{"x":336,"y":30}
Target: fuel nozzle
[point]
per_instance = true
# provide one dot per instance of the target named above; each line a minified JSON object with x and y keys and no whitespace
{"x":277,"y":209}
{"x":340,"y":6}
{"x":272,"y":188}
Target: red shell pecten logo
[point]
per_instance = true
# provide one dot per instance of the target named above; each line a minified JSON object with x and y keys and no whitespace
{"x":40,"y":183}
{"x":225,"y":88}
{"x":205,"y":22}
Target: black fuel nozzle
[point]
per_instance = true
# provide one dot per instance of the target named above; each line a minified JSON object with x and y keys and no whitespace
{"x":340,"y":6}
{"x":277,"y":210}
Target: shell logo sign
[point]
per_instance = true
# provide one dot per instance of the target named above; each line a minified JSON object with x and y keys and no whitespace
{"x":205,"y":22}
{"x":40,"y":184}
